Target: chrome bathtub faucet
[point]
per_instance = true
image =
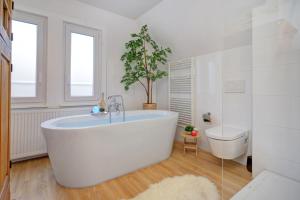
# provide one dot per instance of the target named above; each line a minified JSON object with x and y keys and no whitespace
{"x":114,"y":106}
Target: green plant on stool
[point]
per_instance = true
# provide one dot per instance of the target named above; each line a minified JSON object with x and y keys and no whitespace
{"x":189,"y":128}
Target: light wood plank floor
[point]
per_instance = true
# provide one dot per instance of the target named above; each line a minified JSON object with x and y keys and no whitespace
{"x":34,"y":180}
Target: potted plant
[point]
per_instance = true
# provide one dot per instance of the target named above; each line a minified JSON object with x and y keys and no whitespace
{"x":141,"y":60}
{"x":189,"y":128}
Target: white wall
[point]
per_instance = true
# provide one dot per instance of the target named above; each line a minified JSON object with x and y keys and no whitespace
{"x":212,"y":71}
{"x":217,"y":34}
{"x":197,"y":27}
{"x":237,"y":107}
{"x":208,"y":81}
{"x":115,"y":31}
{"x":190,"y":28}
{"x":182,"y":26}
{"x":276,"y":88}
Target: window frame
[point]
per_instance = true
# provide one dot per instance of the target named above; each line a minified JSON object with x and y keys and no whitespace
{"x":70,"y":28}
{"x":41,"y":56}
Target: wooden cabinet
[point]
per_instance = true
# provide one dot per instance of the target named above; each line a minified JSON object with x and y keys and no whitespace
{"x":4,"y":119}
{"x":5,"y":73}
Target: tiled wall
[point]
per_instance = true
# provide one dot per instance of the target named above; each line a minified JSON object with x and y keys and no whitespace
{"x":208,"y":86}
{"x":212,"y":71}
{"x":276,"y":89}
{"x":237,"y":106}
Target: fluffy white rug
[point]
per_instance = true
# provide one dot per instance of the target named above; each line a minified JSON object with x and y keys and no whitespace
{"x":186,"y":187}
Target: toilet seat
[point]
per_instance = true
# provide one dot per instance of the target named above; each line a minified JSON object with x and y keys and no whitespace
{"x":225,"y":133}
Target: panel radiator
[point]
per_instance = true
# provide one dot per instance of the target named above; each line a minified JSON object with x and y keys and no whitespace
{"x":27,"y":139}
{"x":181,"y":90}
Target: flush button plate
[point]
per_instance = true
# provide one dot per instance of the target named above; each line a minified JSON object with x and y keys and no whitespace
{"x":234,"y":86}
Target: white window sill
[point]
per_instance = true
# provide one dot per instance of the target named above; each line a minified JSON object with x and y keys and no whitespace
{"x":64,"y":105}
{"x":27,"y":106}
{"x":78,"y":104}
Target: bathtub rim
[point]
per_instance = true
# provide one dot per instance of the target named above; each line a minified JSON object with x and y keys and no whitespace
{"x":49,"y":124}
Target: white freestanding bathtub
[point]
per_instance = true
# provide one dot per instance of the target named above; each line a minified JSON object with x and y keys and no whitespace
{"x":86,"y":149}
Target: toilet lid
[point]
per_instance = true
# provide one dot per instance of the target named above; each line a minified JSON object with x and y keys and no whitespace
{"x":225,"y":133}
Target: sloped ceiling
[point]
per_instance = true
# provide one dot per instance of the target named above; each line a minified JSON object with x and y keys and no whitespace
{"x":195,"y":27}
{"x":128,"y":8}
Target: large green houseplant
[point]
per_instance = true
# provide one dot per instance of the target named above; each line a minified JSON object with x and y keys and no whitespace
{"x":141,"y":60}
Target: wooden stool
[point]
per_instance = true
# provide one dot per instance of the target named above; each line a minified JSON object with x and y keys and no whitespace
{"x":190,"y":142}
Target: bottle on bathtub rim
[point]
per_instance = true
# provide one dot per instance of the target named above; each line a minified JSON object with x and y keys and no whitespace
{"x":102,"y":103}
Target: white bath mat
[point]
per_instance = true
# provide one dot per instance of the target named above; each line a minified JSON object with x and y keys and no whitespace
{"x":186,"y":187}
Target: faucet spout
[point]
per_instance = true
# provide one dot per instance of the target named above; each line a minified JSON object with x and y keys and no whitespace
{"x":115,"y":106}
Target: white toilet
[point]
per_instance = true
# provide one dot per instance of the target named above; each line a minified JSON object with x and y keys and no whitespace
{"x":227,"y":142}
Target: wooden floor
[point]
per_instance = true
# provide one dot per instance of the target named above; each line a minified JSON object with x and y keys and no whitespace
{"x":34,"y":180}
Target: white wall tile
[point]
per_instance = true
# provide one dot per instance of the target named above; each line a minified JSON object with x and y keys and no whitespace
{"x":271,"y":57}
{"x":280,"y":111}
{"x":237,"y":110}
{"x":237,"y":59}
{"x":276,"y":28}
{"x":276,"y":92}
{"x":208,"y":93}
{"x":278,"y":141}
{"x":277,"y":80}
{"x":276,"y":164}
{"x":237,"y":107}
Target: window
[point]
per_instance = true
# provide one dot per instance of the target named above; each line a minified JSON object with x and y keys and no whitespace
{"x":28,"y":58}
{"x":82,"y":78}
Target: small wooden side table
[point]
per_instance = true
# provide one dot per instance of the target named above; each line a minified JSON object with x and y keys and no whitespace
{"x":190,"y":142}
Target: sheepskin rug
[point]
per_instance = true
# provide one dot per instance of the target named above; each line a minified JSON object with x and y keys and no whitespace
{"x":186,"y":187}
